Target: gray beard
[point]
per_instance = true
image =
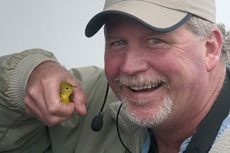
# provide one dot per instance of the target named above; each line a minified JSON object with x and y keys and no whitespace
{"x":151,"y":120}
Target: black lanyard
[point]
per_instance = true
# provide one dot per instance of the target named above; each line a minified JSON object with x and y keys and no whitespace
{"x":207,"y":130}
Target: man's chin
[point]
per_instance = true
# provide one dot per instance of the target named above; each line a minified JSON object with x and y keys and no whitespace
{"x":148,"y":116}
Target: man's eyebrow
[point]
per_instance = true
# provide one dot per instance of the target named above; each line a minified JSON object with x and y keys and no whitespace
{"x":112,"y":37}
{"x":158,"y":33}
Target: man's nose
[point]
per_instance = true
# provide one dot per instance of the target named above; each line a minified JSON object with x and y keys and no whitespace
{"x":133,"y":61}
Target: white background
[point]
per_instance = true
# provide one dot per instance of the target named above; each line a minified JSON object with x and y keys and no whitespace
{"x":58,"y":26}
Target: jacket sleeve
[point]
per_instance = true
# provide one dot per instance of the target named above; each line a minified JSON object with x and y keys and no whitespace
{"x":18,"y":131}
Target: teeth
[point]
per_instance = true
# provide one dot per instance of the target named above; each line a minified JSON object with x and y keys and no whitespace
{"x":149,"y":86}
{"x":136,"y":88}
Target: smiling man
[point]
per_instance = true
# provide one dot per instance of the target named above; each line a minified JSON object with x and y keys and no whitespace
{"x":166,"y":63}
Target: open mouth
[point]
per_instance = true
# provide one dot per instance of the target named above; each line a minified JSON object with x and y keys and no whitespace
{"x":146,"y":88}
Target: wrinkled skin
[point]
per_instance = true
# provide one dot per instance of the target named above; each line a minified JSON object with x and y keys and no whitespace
{"x":144,"y":67}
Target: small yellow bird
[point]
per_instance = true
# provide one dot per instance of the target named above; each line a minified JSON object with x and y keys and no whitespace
{"x":66,"y":90}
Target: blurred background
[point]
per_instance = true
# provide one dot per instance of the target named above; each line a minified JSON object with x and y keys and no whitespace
{"x":58,"y":26}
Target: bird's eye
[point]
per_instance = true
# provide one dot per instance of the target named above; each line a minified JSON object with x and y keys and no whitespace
{"x":67,"y":88}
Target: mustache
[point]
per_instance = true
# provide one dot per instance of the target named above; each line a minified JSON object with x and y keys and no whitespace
{"x":140,"y":80}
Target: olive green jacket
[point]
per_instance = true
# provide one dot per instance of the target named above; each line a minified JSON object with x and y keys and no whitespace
{"x":21,"y":133}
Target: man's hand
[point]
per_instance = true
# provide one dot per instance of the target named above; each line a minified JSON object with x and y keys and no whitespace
{"x":42,"y":97}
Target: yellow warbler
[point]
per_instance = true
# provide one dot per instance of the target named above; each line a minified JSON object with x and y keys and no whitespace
{"x":66,"y":90}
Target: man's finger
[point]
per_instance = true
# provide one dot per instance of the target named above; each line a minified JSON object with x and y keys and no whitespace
{"x":79,"y":99}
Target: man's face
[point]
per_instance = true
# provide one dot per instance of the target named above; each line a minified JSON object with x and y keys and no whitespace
{"x":158,"y":76}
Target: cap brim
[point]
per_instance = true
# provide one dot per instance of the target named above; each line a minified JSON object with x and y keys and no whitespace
{"x":155,"y":17}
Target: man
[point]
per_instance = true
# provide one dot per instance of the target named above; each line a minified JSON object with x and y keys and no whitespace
{"x":165,"y":62}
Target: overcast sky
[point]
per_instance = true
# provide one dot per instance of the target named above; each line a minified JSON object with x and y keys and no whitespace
{"x":58,"y":26}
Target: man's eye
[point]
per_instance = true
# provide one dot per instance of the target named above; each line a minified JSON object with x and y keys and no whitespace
{"x":154,"y":41}
{"x":157,"y":44}
{"x":118,"y":43}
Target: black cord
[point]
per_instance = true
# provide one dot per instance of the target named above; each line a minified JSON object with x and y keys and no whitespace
{"x":106,"y":94}
{"x":118,"y":132}
{"x":97,"y":122}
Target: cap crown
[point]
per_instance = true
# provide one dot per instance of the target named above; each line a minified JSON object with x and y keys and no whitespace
{"x":202,"y":8}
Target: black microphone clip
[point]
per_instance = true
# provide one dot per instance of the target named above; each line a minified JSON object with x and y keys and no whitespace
{"x":97,"y":122}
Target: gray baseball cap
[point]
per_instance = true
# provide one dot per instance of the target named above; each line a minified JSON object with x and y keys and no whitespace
{"x":158,"y":15}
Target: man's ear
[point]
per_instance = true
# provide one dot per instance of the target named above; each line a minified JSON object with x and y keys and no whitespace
{"x":213,"y":49}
